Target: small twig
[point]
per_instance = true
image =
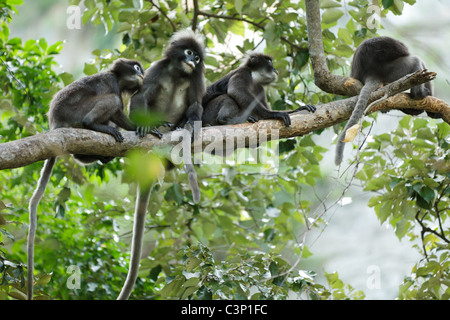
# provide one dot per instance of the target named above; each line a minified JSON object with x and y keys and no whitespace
{"x":174,"y":27}
{"x":15,"y":79}
{"x":253,"y":23}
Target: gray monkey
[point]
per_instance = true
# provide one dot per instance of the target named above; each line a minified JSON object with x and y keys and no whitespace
{"x":240,"y":95}
{"x":173,"y":87}
{"x":95,"y":103}
{"x":379,"y":61}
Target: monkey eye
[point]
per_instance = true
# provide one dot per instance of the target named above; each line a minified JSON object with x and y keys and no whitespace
{"x":137,"y":68}
{"x":188,"y":52}
{"x":197,"y":59}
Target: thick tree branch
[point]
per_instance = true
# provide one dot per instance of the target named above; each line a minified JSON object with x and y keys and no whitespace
{"x":42,"y":146}
{"x":323,"y":78}
{"x":348,"y":86}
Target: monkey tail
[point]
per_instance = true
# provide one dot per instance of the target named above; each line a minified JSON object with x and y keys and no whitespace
{"x":34,"y":201}
{"x":192,"y":176}
{"x":136,"y":242}
{"x":361,"y":105}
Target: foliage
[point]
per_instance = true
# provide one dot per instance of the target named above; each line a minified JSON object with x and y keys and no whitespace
{"x":410,"y":169}
{"x":246,"y":239}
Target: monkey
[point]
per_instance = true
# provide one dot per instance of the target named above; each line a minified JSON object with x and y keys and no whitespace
{"x":92,"y":103}
{"x":240,"y":95}
{"x":173,"y":87}
{"x":379,"y":61}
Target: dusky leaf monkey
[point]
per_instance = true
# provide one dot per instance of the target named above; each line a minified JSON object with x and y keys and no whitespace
{"x":173,"y":87}
{"x":379,"y":61}
{"x":95,"y":103}
{"x":240,"y":95}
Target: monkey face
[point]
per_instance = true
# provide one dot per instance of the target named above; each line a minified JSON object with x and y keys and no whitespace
{"x":129,"y":73}
{"x":263,"y":71}
{"x":190,"y":61}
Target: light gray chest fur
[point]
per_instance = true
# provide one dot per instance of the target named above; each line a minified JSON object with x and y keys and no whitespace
{"x":172,"y":99}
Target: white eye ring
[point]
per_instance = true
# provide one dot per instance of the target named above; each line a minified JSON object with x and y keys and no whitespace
{"x":197,"y":59}
{"x":137,"y":68}
{"x":188,"y":52}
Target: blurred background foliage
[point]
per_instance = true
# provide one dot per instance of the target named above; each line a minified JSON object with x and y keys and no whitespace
{"x":249,"y":236}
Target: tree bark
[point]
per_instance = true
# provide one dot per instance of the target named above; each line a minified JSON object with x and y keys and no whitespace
{"x":323,"y":78}
{"x":19,"y":153}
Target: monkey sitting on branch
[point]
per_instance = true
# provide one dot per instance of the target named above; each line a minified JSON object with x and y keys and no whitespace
{"x":376,"y":62}
{"x":95,"y":103}
{"x":173,"y":89}
{"x":240,"y":95}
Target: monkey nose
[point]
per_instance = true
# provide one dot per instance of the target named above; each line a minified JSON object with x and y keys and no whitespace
{"x":191,"y":64}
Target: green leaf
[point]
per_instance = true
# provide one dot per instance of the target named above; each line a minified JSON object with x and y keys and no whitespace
{"x":191,"y":263}
{"x":154,"y":272}
{"x":172,"y":289}
{"x":427,"y":194}
{"x":203,"y":293}
{"x":269,"y":235}
{"x":324,"y":4}
{"x":15,"y":2}
{"x":66,"y":77}
{"x":90,"y":69}
{"x":387,"y":3}
{"x":44,"y":279}
{"x":273,"y":268}
{"x":345,"y":36}
{"x":174,"y":193}
{"x":331,"y":15}
{"x":238,"y":6}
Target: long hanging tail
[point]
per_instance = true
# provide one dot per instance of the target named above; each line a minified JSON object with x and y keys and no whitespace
{"x":361,"y":105}
{"x":136,"y":243}
{"x":192,"y":176}
{"x":34,"y":201}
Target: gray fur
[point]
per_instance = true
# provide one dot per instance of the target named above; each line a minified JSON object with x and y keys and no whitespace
{"x":92,"y":103}
{"x":240,"y":95}
{"x":376,"y":62}
{"x":173,"y":87}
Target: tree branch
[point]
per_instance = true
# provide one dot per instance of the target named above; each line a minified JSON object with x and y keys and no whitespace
{"x":42,"y":146}
{"x":174,"y":27}
{"x":323,"y":78}
{"x":348,"y":86}
{"x":255,"y":24}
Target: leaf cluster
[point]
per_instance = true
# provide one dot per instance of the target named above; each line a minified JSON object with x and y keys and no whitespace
{"x":409,"y":169}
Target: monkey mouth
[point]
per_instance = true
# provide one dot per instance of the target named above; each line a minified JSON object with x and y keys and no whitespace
{"x":190,"y":64}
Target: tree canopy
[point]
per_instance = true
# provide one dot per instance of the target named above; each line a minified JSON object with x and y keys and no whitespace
{"x":249,"y":236}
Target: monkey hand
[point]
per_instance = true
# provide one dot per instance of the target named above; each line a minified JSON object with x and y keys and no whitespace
{"x":308,"y":107}
{"x":117,"y":135}
{"x":283,"y":116}
{"x":252,"y":119}
{"x":142,"y":131}
{"x":167,"y":124}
